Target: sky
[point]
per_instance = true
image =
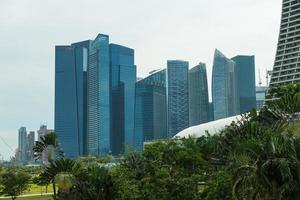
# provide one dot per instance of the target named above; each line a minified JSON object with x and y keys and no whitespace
{"x":158,"y":30}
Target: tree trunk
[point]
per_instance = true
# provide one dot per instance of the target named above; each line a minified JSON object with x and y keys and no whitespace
{"x":54,"y":188}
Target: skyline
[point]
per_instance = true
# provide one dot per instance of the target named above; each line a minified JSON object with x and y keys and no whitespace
{"x":27,"y":84}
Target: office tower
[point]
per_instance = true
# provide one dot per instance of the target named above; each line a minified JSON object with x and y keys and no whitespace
{"x":260,"y":96}
{"x":245,"y":76}
{"x":151,"y":108}
{"x":30,"y":145}
{"x":42,"y":132}
{"x":224,"y":87}
{"x":123,"y":79}
{"x":22,"y":145}
{"x":99,"y":104}
{"x":71,"y":63}
{"x":287,"y":62}
{"x":198,"y":95}
{"x":177,"y":96}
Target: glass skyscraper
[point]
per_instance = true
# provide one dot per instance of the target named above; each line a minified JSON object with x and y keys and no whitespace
{"x":70,"y":97}
{"x":22,"y":145}
{"x":198,"y":95}
{"x":224,"y":87}
{"x":98,"y":86}
{"x":151,"y":108}
{"x":245,"y":76}
{"x":287,"y":62}
{"x":123,"y":79}
{"x":177,"y":96}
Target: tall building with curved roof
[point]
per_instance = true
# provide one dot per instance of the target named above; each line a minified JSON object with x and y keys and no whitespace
{"x":224,"y":87}
{"x":287,"y":62}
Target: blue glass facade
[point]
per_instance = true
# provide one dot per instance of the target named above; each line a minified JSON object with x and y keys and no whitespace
{"x":177,"y":96}
{"x":98,"y":85}
{"x":224,"y":87}
{"x":70,"y":98}
{"x":123,"y":79}
{"x":151,"y":109}
{"x":198,"y":95}
{"x":22,"y":144}
{"x":245,"y":72}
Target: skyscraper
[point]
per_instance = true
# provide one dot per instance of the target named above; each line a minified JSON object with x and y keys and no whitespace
{"x":177,"y":96}
{"x":245,"y":76}
{"x":22,"y":144}
{"x":224,"y":87}
{"x":287,"y":62}
{"x":151,"y":108}
{"x":70,"y":98}
{"x":198,"y":95}
{"x":30,"y":145}
{"x":123,"y":79}
{"x":99,"y":101}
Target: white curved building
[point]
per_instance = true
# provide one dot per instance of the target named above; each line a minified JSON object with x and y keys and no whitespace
{"x":210,"y":127}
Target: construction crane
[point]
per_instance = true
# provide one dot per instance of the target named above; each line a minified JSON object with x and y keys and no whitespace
{"x":259,"y":77}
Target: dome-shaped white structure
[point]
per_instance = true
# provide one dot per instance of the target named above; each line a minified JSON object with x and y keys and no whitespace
{"x":212,"y":127}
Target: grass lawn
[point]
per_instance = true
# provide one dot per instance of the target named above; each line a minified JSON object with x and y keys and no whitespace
{"x":36,"y":189}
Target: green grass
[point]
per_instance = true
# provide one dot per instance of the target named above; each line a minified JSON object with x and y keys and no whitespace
{"x":36,"y":189}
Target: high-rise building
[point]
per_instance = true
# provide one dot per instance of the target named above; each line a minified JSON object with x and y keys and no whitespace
{"x":177,"y":96}
{"x":224,"y":87}
{"x":22,"y":145}
{"x":287,"y":62}
{"x":123,"y":79}
{"x":30,"y":145}
{"x":245,"y":76}
{"x":211,"y":111}
{"x":151,"y":108}
{"x":99,"y":101}
{"x":198,"y":95}
{"x":260,"y":96}
{"x":70,"y":98}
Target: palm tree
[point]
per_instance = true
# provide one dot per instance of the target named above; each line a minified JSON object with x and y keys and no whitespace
{"x":67,"y":171}
{"x":265,"y":168}
{"x":48,"y":144}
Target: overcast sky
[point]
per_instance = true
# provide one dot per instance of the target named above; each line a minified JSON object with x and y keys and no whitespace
{"x":157,"y":29}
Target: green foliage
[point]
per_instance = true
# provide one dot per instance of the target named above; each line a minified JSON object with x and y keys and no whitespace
{"x":14,"y":182}
{"x":257,"y":157}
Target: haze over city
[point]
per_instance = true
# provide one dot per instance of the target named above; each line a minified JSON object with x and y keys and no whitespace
{"x":157,"y":30}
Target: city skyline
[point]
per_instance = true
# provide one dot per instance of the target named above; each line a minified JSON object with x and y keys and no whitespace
{"x":37,"y":76}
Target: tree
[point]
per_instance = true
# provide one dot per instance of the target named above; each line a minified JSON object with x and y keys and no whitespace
{"x":49,"y":145}
{"x":14,"y":182}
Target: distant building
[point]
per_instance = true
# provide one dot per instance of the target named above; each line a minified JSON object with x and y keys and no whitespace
{"x":22,"y":145}
{"x":198,"y":95}
{"x":245,"y":76}
{"x":70,"y":97}
{"x":151,"y":109}
{"x":260,"y":96}
{"x":123,"y":79}
{"x":287,"y":62}
{"x":224,"y":87}
{"x":177,"y":96}
{"x":30,"y":145}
